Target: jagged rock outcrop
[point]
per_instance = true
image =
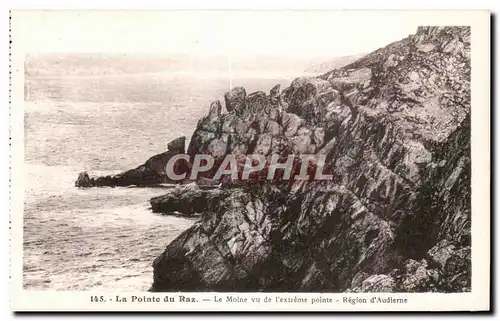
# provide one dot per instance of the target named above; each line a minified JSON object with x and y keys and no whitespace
{"x":152,"y":172}
{"x":258,"y":123}
{"x":395,"y":129}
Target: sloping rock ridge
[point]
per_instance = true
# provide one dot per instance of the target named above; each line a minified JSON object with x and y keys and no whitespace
{"x":395,"y":129}
{"x":151,"y":173}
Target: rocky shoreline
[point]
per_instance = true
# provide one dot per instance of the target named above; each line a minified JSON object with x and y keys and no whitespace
{"x":395,"y":128}
{"x":151,"y":173}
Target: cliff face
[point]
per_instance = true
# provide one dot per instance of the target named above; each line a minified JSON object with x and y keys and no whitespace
{"x":395,"y":128}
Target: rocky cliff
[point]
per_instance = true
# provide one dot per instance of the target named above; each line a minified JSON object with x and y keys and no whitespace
{"x":395,"y":129}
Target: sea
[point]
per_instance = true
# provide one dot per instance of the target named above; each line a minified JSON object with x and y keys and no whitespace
{"x":105,"y":238}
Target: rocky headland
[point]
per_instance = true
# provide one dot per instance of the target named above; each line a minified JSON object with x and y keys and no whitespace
{"x":151,"y":173}
{"x":395,"y":128}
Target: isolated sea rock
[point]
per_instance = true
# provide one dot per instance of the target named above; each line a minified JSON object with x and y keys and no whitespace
{"x":260,"y":124}
{"x":152,"y":172}
{"x":395,"y":129}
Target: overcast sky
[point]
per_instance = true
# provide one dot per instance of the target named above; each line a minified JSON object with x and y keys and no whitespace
{"x":291,"y":33}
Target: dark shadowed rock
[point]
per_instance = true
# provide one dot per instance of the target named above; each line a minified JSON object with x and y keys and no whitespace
{"x":152,"y":172}
{"x":394,"y":127}
{"x":374,"y":283}
{"x":178,"y":144}
{"x":253,"y":235}
{"x":235,"y":100}
{"x":84,"y":180}
{"x":215,"y":109}
{"x":275,"y":95}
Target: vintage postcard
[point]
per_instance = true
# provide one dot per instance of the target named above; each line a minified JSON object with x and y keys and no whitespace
{"x":312,"y":160}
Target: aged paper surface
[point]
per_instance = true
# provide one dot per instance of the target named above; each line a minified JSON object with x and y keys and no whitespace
{"x":250,"y":160}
